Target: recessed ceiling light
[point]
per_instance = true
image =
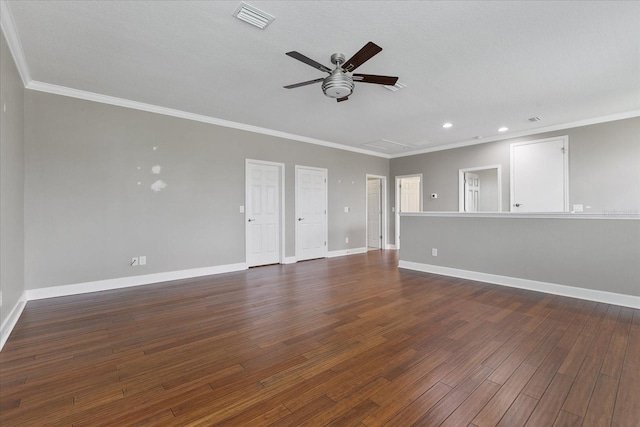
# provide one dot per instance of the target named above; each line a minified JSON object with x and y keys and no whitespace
{"x":503,"y":129}
{"x":447,"y":125}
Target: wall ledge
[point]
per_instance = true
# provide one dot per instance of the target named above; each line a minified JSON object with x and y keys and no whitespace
{"x":552,"y":215}
{"x":533,"y":285}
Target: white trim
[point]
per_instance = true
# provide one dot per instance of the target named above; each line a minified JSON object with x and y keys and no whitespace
{"x":290,"y":260}
{"x":533,"y":285}
{"x":383,"y":208}
{"x":111,"y":100}
{"x":11,"y":320}
{"x":343,"y":252}
{"x":397,"y":201}
{"x":15,"y":45}
{"x":461,"y":173}
{"x":537,"y":131}
{"x":326,"y":206}
{"x":390,"y":247}
{"x":127,"y":282}
{"x":281,"y":166}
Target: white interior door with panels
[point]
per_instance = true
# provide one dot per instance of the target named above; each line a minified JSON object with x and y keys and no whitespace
{"x":311,"y":213}
{"x":540,"y":175}
{"x":264,"y":197}
{"x":374,"y":213}
{"x":471,"y":191}
{"x":408,"y":198}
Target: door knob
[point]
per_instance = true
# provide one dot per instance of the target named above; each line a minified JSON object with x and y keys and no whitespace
{"x":250,"y":219}
{"x":300,"y":219}
{"x":517,"y":205}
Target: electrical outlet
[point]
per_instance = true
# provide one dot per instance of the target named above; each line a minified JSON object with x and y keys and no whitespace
{"x":346,"y":240}
{"x":0,"y":298}
{"x":434,"y":251}
{"x":134,"y":261}
{"x":346,"y":209}
{"x":142,"y":260}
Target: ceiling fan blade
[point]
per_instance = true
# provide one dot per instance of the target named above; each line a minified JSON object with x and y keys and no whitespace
{"x":308,"y":61}
{"x":293,"y":86}
{"x":370,"y":78}
{"x":363,"y":55}
{"x":344,"y":98}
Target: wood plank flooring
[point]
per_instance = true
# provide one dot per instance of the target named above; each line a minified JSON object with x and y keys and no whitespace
{"x":349,"y":341}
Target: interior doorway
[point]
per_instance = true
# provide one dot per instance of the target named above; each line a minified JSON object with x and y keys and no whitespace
{"x":480,"y":189}
{"x":375,"y":208}
{"x":408,"y":198}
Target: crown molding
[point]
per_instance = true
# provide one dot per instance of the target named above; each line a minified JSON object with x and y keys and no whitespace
{"x":15,"y":46}
{"x":537,"y":131}
{"x":120,"y":102}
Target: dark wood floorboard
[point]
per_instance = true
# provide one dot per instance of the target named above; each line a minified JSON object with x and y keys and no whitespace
{"x":343,"y":341}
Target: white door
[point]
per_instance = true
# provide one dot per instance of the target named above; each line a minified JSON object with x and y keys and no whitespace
{"x":471,"y":191}
{"x":311,"y":213}
{"x":374,"y":213}
{"x":539,"y":176}
{"x":263,"y":213}
{"x":410,"y":194}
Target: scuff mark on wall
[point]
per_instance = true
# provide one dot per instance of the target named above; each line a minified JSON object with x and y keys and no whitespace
{"x":156,"y":169}
{"x":158,"y":186}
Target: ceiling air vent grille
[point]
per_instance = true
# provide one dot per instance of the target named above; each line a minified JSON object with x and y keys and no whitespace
{"x":396,"y":87}
{"x":533,"y":119}
{"x":253,"y":16}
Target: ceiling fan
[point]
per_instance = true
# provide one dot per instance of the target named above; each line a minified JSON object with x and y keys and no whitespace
{"x":339,"y":83}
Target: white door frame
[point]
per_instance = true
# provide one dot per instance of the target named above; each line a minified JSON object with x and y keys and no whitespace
{"x":461,"y":173}
{"x":397,"y":216}
{"x":565,"y":166}
{"x":326,"y":204}
{"x":282,"y":212}
{"x":383,"y":208}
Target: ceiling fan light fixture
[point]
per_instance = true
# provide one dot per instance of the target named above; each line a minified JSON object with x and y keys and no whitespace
{"x":337,"y":85}
{"x":253,"y":16}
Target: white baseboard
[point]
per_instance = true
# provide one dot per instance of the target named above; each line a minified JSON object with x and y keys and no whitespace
{"x":290,"y":260}
{"x":390,"y":247}
{"x":631,"y":301}
{"x":343,"y":252}
{"x":126,"y":282}
{"x":11,"y":320}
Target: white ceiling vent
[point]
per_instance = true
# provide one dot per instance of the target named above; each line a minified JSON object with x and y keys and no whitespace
{"x":533,"y":119}
{"x":396,"y":87}
{"x":253,"y":16}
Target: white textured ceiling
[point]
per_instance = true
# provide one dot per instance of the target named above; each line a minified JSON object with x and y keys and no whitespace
{"x":478,"y":65}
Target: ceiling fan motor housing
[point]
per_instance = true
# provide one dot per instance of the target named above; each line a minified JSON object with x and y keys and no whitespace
{"x":338,"y":85}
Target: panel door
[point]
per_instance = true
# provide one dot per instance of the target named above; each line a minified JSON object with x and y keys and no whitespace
{"x":374,"y":212}
{"x":471,"y":191}
{"x":263,"y":214}
{"x":311,"y":213}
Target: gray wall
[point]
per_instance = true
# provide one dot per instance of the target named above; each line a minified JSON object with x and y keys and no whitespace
{"x":86,"y":214}
{"x":11,"y":182}
{"x":604,"y":168}
{"x":599,"y":254}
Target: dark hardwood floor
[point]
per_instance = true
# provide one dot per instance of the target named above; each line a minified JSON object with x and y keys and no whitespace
{"x":343,"y":341}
